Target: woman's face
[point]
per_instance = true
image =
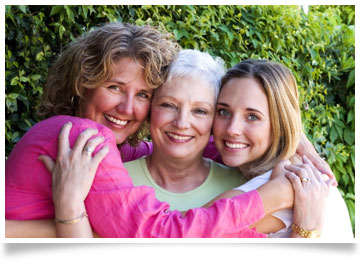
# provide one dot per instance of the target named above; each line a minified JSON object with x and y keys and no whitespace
{"x":242,"y":127}
{"x":122,"y":102}
{"x":182,"y":113}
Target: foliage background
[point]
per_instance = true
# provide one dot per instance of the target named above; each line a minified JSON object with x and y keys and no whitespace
{"x":319,"y":47}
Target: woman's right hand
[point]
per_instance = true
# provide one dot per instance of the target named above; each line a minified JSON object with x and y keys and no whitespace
{"x":74,"y":171}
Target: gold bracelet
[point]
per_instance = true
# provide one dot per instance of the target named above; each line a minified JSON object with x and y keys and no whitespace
{"x":305,"y":233}
{"x":72,"y":221}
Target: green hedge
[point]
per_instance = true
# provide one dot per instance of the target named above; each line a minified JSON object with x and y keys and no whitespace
{"x":319,"y":47}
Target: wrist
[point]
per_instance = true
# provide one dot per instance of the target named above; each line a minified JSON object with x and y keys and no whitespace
{"x":276,"y":194}
{"x":298,"y":231}
{"x":69,"y":211}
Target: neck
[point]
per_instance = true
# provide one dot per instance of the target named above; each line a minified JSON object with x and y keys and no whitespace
{"x":177,"y":175}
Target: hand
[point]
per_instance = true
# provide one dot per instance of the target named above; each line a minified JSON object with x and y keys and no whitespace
{"x":285,"y":190}
{"x":311,"y":191}
{"x":74,"y":171}
{"x":306,"y":148}
{"x":279,"y":170}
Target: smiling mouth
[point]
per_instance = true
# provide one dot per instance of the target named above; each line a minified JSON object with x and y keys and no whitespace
{"x":236,"y":145}
{"x":178,"y":137}
{"x":116,"y":121}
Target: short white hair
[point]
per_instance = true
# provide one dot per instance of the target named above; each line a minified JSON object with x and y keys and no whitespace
{"x":197,"y":64}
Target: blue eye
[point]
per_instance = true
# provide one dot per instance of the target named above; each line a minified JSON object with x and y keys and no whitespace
{"x":144,"y":95}
{"x":168,"y":105}
{"x":253,"y":117}
{"x":114,"y":87}
{"x":200,"y":111}
{"x":223,"y":112}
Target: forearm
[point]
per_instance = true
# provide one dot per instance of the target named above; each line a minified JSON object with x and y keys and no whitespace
{"x":275,"y":196}
{"x":146,"y":217}
{"x":295,"y":235}
{"x":80,"y":226}
{"x":30,"y":229}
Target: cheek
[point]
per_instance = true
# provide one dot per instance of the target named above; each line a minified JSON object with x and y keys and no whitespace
{"x":263,"y":135}
{"x":205,"y":125}
{"x":159,"y":118}
{"x":218,"y":127}
{"x":141,"y":111}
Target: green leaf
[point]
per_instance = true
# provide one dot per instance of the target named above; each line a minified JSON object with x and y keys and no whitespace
{"x":349,"y":136}
{"x":351,"y":80}
{"x":22,"y":8}
{"x":333,"y":134}
{"x":14,"y":81}
{"x":69,"y":13}
{"x":350,"y":116}
{"x":24,"y":79}
{"x":56,"y":9}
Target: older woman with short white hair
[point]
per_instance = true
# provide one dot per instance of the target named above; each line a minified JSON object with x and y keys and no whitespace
{"x":182,"y":114}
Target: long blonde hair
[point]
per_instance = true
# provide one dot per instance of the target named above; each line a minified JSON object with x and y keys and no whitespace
{"x":280,"y":87}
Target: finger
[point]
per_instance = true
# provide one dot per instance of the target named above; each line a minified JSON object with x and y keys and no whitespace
{"x":48,"y":162}
{"x":315,"y":172}
{"x":322,"y":166}
{"x":63,"y":143}
{"x":82,"y":139}
{"x":92,"y":144}
{"x":100,"y":155}
{"x":329,"y":182}
{"x":299,"y":170}
{"x":279,"y":169}
{"x":295,"y":181}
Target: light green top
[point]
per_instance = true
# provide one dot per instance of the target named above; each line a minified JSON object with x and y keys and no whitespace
{"x":220,"y":179}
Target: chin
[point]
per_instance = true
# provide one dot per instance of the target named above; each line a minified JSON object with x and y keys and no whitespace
{"x":231,"y":162}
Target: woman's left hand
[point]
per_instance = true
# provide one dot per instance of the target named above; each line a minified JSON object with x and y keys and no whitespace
{"x":311,"y":191}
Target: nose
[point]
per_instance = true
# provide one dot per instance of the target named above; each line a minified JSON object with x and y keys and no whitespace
{"x":235,"y":127}
{"x":126,"y":104}
{"x":182,"y":119}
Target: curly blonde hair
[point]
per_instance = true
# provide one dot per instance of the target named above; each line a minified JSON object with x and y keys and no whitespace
{"x":88,"y":62}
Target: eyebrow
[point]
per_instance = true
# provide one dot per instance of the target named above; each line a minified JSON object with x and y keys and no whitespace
{"x":124,"y":83}
{"x":223,"y":104}
{"x":254,"y":110}
{"x":247,"y":109}
{"x":174,"y":98}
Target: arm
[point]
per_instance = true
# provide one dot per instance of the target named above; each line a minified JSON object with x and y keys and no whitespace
{"x":113,"y":200}
{"x":30,"y":229}
{"x":70,"y":212}
{"x":276,"y":194}
{"x":130,"y":153}
{"x":153,"y":216}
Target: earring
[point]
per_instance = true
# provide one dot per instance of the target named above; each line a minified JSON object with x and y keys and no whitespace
{"x":74,"y":101}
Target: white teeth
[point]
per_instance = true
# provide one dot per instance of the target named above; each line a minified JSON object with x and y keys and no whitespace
{"x":116,"y":121}
{"x":236,"y":145}
{"x":179,"y":137}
